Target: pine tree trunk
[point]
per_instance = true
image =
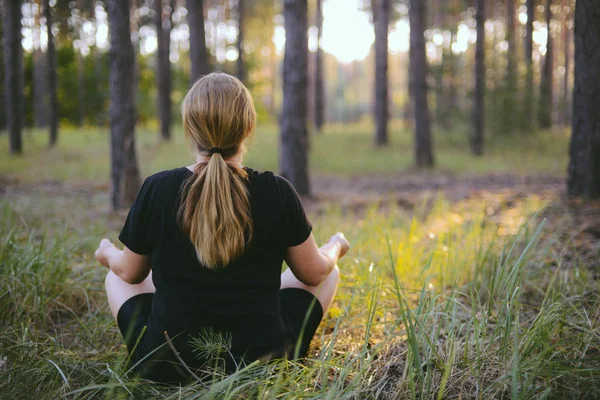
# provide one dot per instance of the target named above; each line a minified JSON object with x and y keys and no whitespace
{"x":52,"y":96}
{"x":80,"y":75}
{"x":241,"y":66}
{"x":381,"y":17}
{"x":510,"y":87}
{"x":441,"y":101}
{"x":13,"y":67}
{"x":584,"y":167}
{"x":477,"y":136}
{"x":529,"y":106}
{"x":40,"y":88}
{"x":294,"y":133}
{"x":163,"y":21}
{"x":99,"y":68}
{"x":122,"y":113}
{"x":418,"y":85}
{"x":546,"y":85}
{"x":2,"y":88}
{"x":319,"y":102}
{"x":198,"y":51}
{"x":566,"y":115}
{"x":134,"y":30}
{"x":453,"y":107}
{"x":40,"y":73}
{"x":452,"y":92}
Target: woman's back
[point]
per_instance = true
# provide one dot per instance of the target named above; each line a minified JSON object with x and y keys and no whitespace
{"x":204,"y":247}
{"x":241,"y":298}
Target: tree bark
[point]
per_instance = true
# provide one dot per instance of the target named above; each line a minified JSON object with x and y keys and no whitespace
{"x":510,"y":88}
{"x":40,"y":73}
{"x":477,"y":136}
{"x":52,"y":96}
{"x":381,"y":18}
{"x":13,"y":66}
{"x":418,"y":85}
{"x":241,"y":66}
{"x":122,"y":113}
{"x":546,"y":85}
{"x":294,"y":133}
{"x":529,"y":106}
{"x":198,"y":52}
{"x":584,"y":166}
{"x":164,"y":23}
{"x":319,"y":101}
{"x":80,"y":82}
{"x":566,"y":115}
{"x":2,"y":73}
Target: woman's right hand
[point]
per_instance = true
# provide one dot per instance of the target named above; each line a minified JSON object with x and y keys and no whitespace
{"x":342,"y":241}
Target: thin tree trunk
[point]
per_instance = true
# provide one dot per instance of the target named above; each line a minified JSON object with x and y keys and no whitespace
{"x":52,"y":97}
{"x":13,"y":66}
{"x":418,"y":85}
{"x":452,"y":92}
{"x":529,"y":106}
{"x":99,"y":68}
{"x":40,"y":73}
{"x":163,"y":20}
{"x":441,"y":103}
{"x":122,"y":113}
{"x":381,"y":17}
{"x":510,"y":89}
{"x":198,"y":52}
{"x":452,"y":96}
{"x":2,"y":73}
{"x":546,"y":86}
{"x":294,"y":132}
{"x":241,"y":66}
{"x":584,"y":167}
{"x":477,"y":137}
{"x":319,"y":102}
{"x":566,"y":115}
{"x":80,"y":83}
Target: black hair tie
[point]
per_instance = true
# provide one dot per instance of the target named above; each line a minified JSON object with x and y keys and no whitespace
{"x":214,"y":150}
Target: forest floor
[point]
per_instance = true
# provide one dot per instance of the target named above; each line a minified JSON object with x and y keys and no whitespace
{"x":477,"y":279}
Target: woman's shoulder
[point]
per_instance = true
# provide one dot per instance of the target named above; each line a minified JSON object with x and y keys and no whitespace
{"x":267,"y":178}
{"x":168,"y":176}
{"x":272,"y":186}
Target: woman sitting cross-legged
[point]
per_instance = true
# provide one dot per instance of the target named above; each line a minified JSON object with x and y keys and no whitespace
{"x":204,"y":248}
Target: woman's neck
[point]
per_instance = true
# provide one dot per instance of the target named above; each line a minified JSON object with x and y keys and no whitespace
{"x":235,"y":161}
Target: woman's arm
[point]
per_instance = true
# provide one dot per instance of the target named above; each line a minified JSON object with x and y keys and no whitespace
{"x":131,"y":267}
{"x":312,"y":265}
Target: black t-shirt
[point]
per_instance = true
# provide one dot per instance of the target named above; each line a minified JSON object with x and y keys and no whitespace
{"x":241,"y":298}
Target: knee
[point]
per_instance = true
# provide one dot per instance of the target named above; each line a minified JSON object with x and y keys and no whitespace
{"x":109,"y":279}
{"x":335,"y":274}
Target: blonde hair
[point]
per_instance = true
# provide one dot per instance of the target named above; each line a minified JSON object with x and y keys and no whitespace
{"x":218,"y":112}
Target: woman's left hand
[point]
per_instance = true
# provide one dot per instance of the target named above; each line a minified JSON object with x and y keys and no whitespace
{"x":102,"y":251}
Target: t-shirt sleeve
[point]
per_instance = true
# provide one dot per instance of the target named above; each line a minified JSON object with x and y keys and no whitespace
{"x":297,"y":226}
{"x":142,"y":230}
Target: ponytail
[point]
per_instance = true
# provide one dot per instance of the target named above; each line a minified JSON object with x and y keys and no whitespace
{"x":218,"y":116}
{"x":216,"y":213}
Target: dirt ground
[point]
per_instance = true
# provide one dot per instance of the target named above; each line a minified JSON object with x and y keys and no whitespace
{"x":410,"y":188}
{"x":576,"y":222}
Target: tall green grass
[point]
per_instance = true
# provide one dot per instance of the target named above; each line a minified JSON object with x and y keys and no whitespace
{"x":445,"y":301}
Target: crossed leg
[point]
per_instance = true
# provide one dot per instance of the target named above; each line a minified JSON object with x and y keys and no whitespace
{"x":325,"y":292}
{"x":118,"y":291}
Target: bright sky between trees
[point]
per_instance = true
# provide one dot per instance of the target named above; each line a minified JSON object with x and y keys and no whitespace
{"x":347,"y":33}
